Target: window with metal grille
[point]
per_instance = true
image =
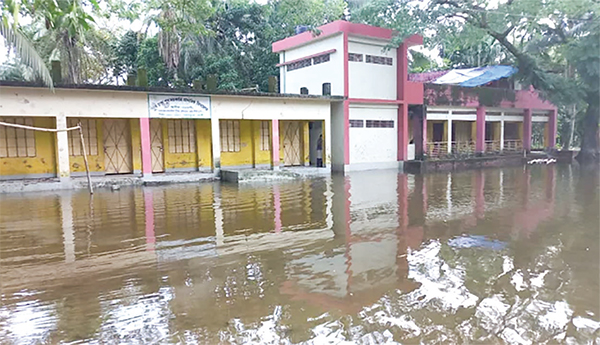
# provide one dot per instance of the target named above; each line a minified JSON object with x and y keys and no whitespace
{"x":17,"y":142}
{"x":355,"y":57}
{"x":265,"y":136}
{"x":320,"y":59}
{"x":356,"y":123}
{"x":230,"y":135}
{"x":379,"y":60}
{"x":90,"y":137}
{"x":380,"y":124}
{"x":182,"y":137}
{"x":299,"y":64}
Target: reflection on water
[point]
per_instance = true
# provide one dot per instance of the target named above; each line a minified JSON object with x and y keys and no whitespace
{"x":480,"y":256}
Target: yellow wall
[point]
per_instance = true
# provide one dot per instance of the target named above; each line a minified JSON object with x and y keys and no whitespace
{"x":520,"y":131}
{"x":462,"y":131}
{"x":474,"y":131}
{"x":244,"y":156}
{"x":203,"y":144}
{"x":45,"y":160}
{"x":175,"y":160}
{"x":96,"y":162}
{"x":496,"y":126}
{"x":261,"y":157}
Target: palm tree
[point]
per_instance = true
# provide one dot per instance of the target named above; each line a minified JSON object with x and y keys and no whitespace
{"x":25,"y":50}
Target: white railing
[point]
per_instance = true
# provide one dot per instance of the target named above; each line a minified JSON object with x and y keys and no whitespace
{"x":492,"y":146}
{"x":463,"y":147}
{"x":437,"y":149}
{"x":513,"y":145}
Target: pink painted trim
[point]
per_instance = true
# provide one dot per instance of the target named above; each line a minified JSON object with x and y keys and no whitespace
{"x":375,"y":101}
{"x":524,"y":99}
{"x":336,"y":27}
{"x":146,"y":145}
{"x":275,"y":143}
{"x":400,"y":78}
{"x":346,"y":132}
{"x":527,"y":130}
{"x":306,"y":57}
{"x":403,"y":132}
{"x":480,"y":130}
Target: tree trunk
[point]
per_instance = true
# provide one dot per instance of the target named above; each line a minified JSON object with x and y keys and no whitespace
{"x":590,"y":151}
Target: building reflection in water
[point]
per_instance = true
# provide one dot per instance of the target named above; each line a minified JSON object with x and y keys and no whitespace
{"x":216,"y":256}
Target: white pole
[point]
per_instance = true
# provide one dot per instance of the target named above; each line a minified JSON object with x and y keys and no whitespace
{"x":502,"y":131}
{"x":62,"y":144}
{"x":450,"y":131}
{"x":215,"y":131}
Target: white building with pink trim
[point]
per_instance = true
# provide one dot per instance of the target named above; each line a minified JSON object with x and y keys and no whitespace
{"x":385,"y":118}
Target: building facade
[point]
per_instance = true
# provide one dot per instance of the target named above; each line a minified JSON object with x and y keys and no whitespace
{"x":387,"y":116}
{"x":134,"y":131}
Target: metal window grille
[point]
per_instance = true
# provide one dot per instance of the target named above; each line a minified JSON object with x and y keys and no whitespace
{"x":265,"y":136}
{"x":320,"y":59}
{"x":230,"y":135}
{"x":182,"y":137}
{"x":17,"y":142}
{"x":356,"y":123}
{"x":90,"y":137}
{"x":380,"y":124}
{"x":379,"y":60}
{"x":299,"y":64}
{"x":355,"y":57}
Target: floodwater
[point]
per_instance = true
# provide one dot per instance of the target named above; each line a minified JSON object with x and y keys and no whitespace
{"x":492,"y":256}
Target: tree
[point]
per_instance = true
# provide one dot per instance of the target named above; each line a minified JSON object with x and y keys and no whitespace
{"x":125,"y":55}
{"x":14,"y":38}
{"x":538,"y":35}
{"x":64,"y":29}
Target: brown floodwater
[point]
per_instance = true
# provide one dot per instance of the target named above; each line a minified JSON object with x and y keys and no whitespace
{"x":491,"y":256}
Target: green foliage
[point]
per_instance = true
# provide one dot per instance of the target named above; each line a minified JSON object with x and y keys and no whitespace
{"x":125,"y":54}
{"x":15,"y":38}
{"x":149,"y":58}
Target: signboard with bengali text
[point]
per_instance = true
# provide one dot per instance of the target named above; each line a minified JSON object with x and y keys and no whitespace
{"x":178,"y":107}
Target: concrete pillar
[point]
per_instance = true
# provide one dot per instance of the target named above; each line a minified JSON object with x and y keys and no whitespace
{"x":346,"y":132}
{"x":327,"y":137}
{"x":552,"y":120}
{"x":419,"y":125}
{"x":146,"y":147}
{"x":527,"y":130}
{"x":215,"y":133}
{"x":402,"y":132}
{"x":480,"y":130}
{"x":450,"y":132}
{"x":62,"y":144}
{"x":275,"y":159}
{"x":502,"y":132}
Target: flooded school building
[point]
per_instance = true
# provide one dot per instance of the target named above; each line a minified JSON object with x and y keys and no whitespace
{"x":344,"y":85}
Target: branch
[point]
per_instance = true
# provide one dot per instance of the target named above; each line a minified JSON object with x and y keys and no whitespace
{"x":507,"y":31}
